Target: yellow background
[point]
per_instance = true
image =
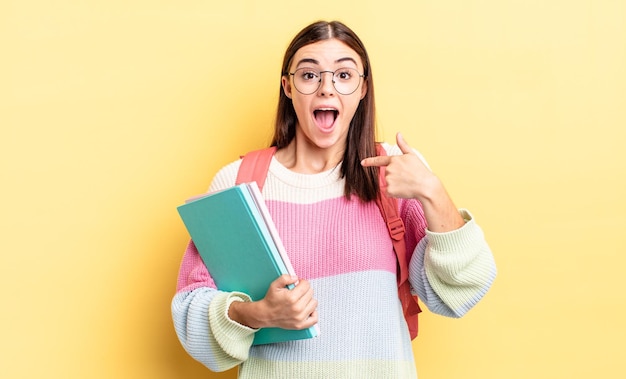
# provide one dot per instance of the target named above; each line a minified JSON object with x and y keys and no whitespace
{"x":113,"y":112}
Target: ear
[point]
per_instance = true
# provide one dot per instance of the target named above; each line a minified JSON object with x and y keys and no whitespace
{"x":286,"y":85}
{"x":363,"y":88}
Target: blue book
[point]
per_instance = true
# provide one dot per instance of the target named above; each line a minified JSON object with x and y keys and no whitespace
{"x":239,"y":244}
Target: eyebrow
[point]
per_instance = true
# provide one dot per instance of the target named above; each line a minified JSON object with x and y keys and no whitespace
{"x":316,"y":62}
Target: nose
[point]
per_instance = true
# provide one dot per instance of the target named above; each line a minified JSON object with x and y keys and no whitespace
{"x":327,"y":86}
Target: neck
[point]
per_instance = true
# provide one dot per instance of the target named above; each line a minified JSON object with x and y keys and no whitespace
{"x":306,"y":158}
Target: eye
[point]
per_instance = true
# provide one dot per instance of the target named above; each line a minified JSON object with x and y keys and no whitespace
{"x":308,"y":74}
{"x":344,"y":74}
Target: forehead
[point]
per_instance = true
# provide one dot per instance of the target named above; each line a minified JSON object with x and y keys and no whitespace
{"x":331,"y":52}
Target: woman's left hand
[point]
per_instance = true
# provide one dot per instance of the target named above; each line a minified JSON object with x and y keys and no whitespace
{"x":408,"y":177}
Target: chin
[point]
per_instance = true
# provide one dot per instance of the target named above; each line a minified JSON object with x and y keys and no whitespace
{"x":329,"y":142}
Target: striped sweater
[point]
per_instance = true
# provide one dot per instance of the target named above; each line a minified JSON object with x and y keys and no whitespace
{"x":343,"y":248}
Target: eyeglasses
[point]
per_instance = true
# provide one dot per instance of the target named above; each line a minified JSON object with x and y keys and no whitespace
{"x":308,"y":80}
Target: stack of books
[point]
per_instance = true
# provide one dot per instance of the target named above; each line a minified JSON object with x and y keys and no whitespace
{"x":240,"y":246}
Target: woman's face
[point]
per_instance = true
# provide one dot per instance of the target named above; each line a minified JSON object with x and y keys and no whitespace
{"x":324,"y":116}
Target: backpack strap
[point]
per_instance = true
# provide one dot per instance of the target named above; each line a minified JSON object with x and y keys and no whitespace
{"x":254,"y":167}
{"x":389,"y":210}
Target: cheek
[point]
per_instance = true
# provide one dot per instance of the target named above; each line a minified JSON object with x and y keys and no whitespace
{"x":351,"y":107}
{"x":299,"y":106}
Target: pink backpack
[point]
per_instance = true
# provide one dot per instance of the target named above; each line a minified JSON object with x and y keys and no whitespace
{"x":254,"y":167}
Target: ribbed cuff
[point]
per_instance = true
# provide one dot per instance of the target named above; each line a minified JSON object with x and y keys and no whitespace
{"x":233,"y":337}
{"x":459,"y":239}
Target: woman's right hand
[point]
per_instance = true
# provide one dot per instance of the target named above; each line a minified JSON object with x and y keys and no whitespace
{"x":281,"y":307}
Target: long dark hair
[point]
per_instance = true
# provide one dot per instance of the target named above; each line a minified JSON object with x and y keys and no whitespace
{"x":361,"y":181}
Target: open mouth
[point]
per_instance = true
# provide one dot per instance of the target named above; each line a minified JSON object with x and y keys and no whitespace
{"x":326,"y":117}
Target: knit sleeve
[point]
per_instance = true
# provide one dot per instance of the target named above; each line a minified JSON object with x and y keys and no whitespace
{"x":452,"y":271}
{"x":200,"y":315}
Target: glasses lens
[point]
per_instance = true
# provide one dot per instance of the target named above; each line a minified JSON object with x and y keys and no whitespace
{"x":346,"y":80}
{"x":306,"y":80}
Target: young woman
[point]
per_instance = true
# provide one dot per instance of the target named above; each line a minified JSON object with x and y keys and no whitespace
{"x":320,"y":190}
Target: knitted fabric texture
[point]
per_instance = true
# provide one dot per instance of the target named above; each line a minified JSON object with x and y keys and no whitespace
{"x":343,"y":248}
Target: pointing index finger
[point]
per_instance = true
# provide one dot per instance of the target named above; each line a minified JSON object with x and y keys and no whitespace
{"x":376,"y":161}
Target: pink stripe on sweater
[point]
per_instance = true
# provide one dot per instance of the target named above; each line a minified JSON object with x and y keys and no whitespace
{"x":333,"y":237}
{"x":193,"y":273}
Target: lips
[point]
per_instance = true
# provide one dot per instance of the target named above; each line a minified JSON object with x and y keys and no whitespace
{"x":325,"y":117}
